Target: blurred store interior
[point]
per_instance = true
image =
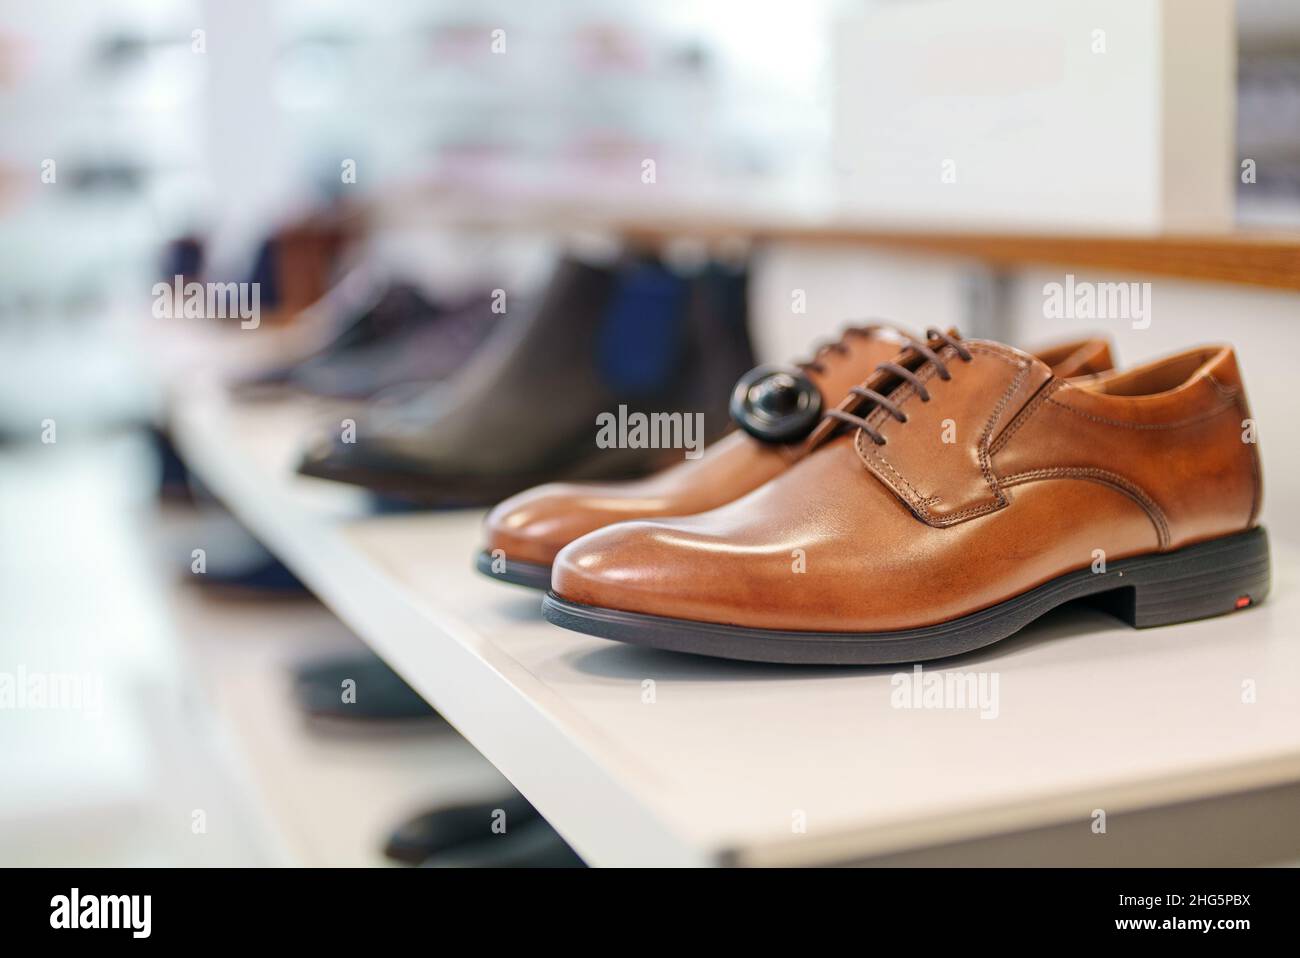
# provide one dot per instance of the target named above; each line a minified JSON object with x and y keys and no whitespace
{"x":819,"y":163}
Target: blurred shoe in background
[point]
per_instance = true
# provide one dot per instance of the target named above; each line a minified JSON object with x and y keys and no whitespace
{"x":215,"y":553}
{"x":398,"y":336}
{"x":261,"y":576}
{"x":377,"y":693}
{"x":534,"y":844}
{"x":173,"y":474}
{"x":293,"y":267}
{"x":617,"y":340}
{"x":440,"y":829}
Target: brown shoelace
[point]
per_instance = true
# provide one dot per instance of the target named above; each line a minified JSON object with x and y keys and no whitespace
{"x":928,"y":355}
{"x":840,"y":346}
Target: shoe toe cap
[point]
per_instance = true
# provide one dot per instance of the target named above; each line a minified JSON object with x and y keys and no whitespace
{"x":663,"y":568}
{"x":535,"y":525}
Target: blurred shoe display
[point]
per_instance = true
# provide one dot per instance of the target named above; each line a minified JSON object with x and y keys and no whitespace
{"x":376,"y":692}
{"x":775,"y":408}
{"x":315,"y":315}
{"x":433,"y":832}
{"x":616,"y":341}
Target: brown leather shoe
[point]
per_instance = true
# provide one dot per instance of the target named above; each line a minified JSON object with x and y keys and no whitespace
{"x":966,"y":491}
{"x":526,"y":531}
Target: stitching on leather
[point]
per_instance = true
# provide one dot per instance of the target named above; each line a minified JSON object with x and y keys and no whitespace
{"x":987,"y":435}
{"x":1257,"y":480}
{"x":1023,"y":416}
{"x":991,"y":351}
{"x":863,"y":451}
{"x":1133,"y":425}
{"x":1133,"y":491}
{"x":923,"y":502}
{"x":1257,"y":489}
{"x":999,"y":497}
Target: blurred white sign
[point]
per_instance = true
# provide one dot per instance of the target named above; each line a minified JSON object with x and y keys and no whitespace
{"x":1069,"y":115}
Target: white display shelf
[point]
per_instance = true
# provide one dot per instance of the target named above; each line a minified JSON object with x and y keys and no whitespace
{"x":730,"y":758}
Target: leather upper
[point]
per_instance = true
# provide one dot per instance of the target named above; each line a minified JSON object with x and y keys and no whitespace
{"x":534,"y":525}
{"x":1009,"y":476}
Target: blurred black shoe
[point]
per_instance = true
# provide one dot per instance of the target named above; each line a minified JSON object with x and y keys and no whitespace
{"x":389,"y":336}
{"x":534,"y":844}
{"x":437,"y":831}
{"x":264,"y":577}
{"x":377,"y":693}
{"x":617,"y":341}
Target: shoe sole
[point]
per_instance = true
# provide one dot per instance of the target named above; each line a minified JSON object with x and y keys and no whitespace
{"x":424,"y":491}
{"x":532,"y":575}
{"x":433,"y":490}
{"x":1196,"y":582}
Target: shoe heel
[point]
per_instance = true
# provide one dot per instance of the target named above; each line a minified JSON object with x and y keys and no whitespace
{"x":1208,"y":579}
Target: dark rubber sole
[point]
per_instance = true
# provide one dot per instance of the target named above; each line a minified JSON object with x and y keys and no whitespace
{"x":1197,"y":582}
{"x":533,"y":575}
{"x":436,"y":490}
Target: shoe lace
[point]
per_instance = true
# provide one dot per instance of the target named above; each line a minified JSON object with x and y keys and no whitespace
{"x":840,"y":347}
{"x":884,"y":402}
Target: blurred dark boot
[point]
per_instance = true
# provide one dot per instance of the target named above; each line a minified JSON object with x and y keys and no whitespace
{"x":613,"y":341}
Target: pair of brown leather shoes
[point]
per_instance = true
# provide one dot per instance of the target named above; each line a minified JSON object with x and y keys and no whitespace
{"x":940,"y":495}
